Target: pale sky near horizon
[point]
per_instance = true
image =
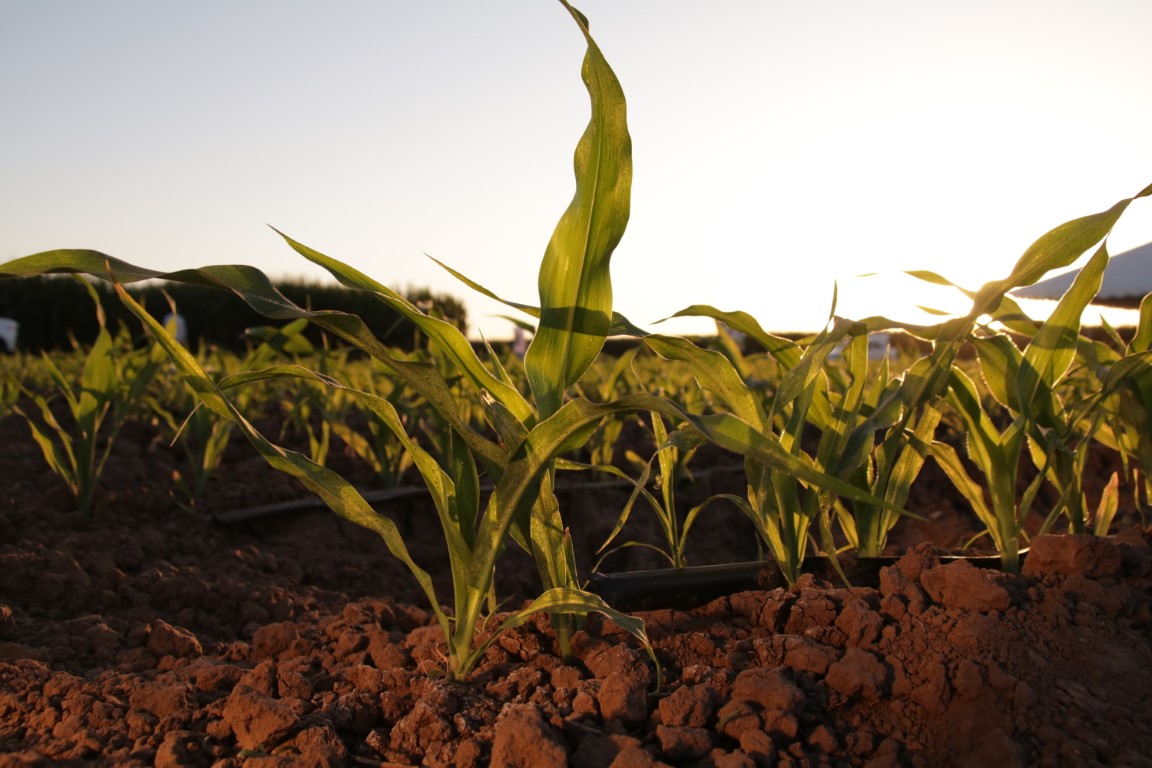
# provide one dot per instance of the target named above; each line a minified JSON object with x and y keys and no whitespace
{"x":778,"y":146}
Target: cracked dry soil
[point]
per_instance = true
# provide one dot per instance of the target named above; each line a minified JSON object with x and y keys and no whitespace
{"x":148,"y":635}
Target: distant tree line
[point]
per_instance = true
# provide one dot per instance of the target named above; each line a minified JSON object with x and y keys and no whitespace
{"x":54,"y":310}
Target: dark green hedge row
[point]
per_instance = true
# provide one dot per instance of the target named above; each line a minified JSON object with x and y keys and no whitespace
{"x":52,"y":309}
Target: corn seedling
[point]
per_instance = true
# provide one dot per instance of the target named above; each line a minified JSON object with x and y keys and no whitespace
{"x":997,"y":455}
{"x":108,"y":389}
{"x":786,"y":485}
{"x":898,"y":448}
{"x":864,"y":442}
{"x":1057,"y":434}
{"x":574,"y":319}
{"x":602,"y":447}
{"x":1120,"y":400}
{"x":1026,"y":382}
{"x":671,"y":457}
{"x":369,"y":438}
{"x":202,"y":434}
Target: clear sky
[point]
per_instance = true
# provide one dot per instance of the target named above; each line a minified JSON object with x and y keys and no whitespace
{"x":778,"y":145}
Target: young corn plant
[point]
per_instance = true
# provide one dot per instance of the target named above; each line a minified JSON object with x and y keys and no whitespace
{"x":110,"y":387}
{"x":1058,"y":434}
{"x":671,"y":457}
{"x":371,"y":440}
{"x":784,"y":508}
{"x":867,"y":440}
{"x":1027,"y":383}
{"x":787,"y":487}
{"x":997,"y":454}
{"x":533,"y":432}
{"x":1057,"y":439}
{"x":899,"y":447}
{"x":604,"y":445}
{"x":871,"y":435}
{"x":1120,"y":402}
{"x":202,"y":434}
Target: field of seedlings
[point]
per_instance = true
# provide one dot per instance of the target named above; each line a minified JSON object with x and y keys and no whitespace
{"x":746,"y":550}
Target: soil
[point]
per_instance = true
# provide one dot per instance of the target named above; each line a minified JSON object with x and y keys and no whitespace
{"x":149,"y":634}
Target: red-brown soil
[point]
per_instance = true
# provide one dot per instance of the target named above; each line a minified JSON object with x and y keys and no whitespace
{"x":149,"y":635}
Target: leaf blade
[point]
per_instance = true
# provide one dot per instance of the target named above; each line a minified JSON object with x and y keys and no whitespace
{"x":574,"y":281}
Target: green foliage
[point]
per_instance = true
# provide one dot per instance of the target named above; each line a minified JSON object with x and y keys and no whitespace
{"x":201,"y":433}
{"x":602,"y":446}
{"x":109,"y":389}
{"x":372,"y":440}
{"x":673,"y":452}
{"x":532,"y":434}
{"x":1027,"y":385}
{"x":788,"y":488}
{"x":997,"y":454}
{"x":1118,"y":400}
{"x":827,"y":436}
{"x":51,"y":309}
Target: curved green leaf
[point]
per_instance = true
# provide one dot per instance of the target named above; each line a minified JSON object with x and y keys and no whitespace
{"x":574,"y":283}
{"x":448,"y":338}
{"x":1053,"y":348}
{"x":1057,"y":248}
{"x":714,"y":372}
{"x":786,"y":351}
{"x":999,"y":367}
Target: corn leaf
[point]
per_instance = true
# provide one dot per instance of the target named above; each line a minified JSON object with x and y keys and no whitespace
{"x":786,"y":351}
{"x":1108,"y":506}
{"x":575,"y":285}
{"x":714,"y":373}
{"x":1053,"y":348}
{"x":1142,"y":341}
{"x":447,"y":337}
{"x":55,"y":445}
{"x":1055,"y":249}
{"x":1000,"y":360}
{"x":953,"y":467}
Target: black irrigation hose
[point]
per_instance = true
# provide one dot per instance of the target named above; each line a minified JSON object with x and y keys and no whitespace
{"x":295,"y":506}
{"x":687,"y":588}
{"x":682,"y":589}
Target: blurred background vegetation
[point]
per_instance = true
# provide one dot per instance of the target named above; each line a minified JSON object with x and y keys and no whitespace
{"x":54,"y":311}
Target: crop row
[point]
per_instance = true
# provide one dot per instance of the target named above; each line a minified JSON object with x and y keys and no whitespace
{"x":831,"y":440}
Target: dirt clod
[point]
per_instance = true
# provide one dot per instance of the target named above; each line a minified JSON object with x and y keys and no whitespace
{"x":524,"y":740}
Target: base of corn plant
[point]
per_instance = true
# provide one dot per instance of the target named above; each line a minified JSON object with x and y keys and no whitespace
{"x":686,"y":588}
